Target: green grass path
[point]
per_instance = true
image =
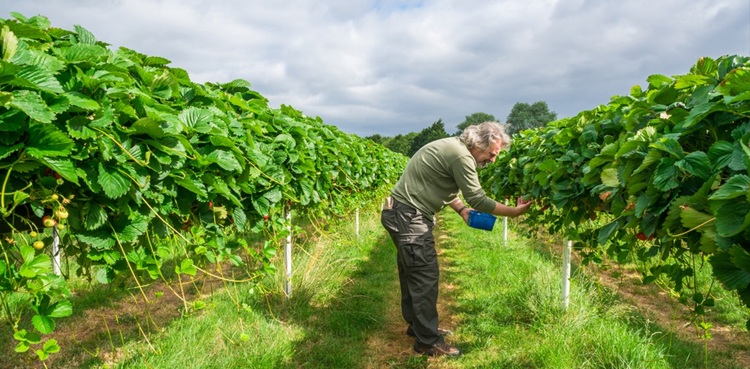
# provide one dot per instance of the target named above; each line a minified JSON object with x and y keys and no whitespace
{"x":502,"y":301}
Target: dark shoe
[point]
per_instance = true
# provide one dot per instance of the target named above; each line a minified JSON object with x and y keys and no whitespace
{"x":443,"y":332}
{"x":438,"y":349}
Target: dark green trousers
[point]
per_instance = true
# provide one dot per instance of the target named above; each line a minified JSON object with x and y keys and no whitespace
{"x":418,"y":272}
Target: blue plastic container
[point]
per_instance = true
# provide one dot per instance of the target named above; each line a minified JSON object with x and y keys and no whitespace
{"x":481,"y":220}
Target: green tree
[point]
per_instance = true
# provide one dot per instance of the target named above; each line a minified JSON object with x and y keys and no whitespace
{"x":400,"y":143}
{"x":473,"y":119}
{"x":525,"y":116}
{"x":434,"y":132}
{"x":376,"y":138}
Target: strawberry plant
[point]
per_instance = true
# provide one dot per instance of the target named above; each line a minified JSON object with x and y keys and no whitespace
{"x":117,"y":148}
{"x":667,"y":165}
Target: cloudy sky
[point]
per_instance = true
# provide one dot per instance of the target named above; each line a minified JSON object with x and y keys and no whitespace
{"x":397,"y":66}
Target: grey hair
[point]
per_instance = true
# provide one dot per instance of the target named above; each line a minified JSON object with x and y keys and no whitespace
{"x":483,"y":134}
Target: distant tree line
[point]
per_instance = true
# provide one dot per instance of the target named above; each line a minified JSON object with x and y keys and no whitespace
{"x":523,"y":116}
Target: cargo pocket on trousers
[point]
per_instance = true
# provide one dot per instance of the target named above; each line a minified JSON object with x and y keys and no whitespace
{"x":418,"y":250}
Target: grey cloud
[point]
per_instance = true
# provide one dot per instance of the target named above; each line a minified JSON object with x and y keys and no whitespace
{"x":390,"y":66}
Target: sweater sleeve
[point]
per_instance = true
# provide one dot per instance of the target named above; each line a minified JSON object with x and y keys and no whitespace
{"x":465,"y":175}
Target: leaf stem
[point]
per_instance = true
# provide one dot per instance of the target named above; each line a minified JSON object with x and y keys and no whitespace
{"x":224,"y":278}
{"x":264,"y":174}
{"x":691,"y":229}
{"x":2,"y":192}
{"x":121,"y":147}
{"x":125,"y":255}
{"x":151,"y":246}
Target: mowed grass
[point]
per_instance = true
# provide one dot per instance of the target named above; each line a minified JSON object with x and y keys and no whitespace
{"x":508,"y":302}
{"x":342,"y":286}
{"x":501,"y":301}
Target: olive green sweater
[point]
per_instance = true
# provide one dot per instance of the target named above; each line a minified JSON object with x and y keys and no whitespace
{"x":435,"y":175}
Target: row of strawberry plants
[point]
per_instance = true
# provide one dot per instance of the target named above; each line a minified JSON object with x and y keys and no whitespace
{"x":668,"y":164}
{"x":111,"y":147}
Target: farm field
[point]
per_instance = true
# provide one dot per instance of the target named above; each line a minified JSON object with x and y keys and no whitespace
{"x":501,"y":302}
{"x":172,"y":202}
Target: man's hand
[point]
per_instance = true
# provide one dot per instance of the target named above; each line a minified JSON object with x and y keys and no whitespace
{"x":522,"y":205}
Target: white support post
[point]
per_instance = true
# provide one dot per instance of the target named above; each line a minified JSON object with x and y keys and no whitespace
{"x":288,"y":255}
{"x":505,"y":227}
{"x":567,"y":246}
{"x":356,"y":223}
{"x":56,"y":251}
{"x":505,"y":231}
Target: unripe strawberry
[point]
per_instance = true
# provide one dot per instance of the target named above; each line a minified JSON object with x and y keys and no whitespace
{"x":61,"y":213}
{"x":48,"y":222}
